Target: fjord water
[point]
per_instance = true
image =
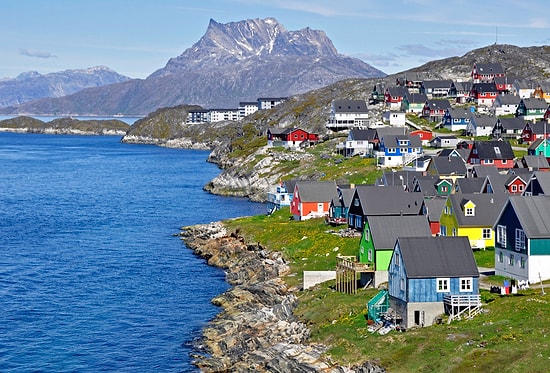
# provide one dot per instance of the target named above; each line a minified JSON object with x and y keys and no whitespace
{"x":92,"y":277}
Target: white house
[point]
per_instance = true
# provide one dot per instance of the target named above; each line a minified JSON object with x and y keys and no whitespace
{"x":394,"y":118}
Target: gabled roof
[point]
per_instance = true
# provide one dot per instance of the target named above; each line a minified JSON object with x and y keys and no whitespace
{"x":416,"y":98}
{"x":512,"y":123}
{"x":498,"y":182}
{"x":449,"y":166}
{"x":508,"y":99}
{"x":522,"y":83}
{"x":289,"y":185}
{"x":540,"y":128}
{"x":391,"y":130}
{"x":385,"y":229}
{"x":489,"y":68}
{"x":360,"y":134}
{"x":533,"y":103}
{"x":443,"y":83}
{"x":482,"y":171}
{"x":470,"y":184}
{"x":488,"y":150}
{"x":480,"y":120}
{"x":438,"y":104}
{"x":459,"y":113}
{"x":533,"y":213}
{"x":463,"y":86}
{"x":535,"y":161}
{"x":397,"y":91}
{"x":487,"y":208}
{"x":388,"y":200}
{"x":392,"y":141}
{"x":442,"y":256}
{"x":346,"y":196}
{"x":484,"y":87}
{"x":542,"y":179}
{"x":434,"y":207}
{"x":316,"y":191}
{"x":350,"y":106}
{"x":427,"y":184}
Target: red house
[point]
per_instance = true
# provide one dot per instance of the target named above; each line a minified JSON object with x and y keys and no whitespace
{"x":291,"y":138}
{"x":312,"y":199}
{"x":487,"y":72}
{"x":515,"y":185}
{"x":484,"y":93}
{"x":425,"y":136}
{"x":533,"y":131}
{"x":495,"y":153}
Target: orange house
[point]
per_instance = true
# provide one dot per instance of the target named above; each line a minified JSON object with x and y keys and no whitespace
{"x":312,"y":199}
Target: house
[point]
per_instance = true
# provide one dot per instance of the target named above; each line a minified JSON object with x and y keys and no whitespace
{"x":537,"y":162}
{"x":430,"y":276}
{"x":501,"y":82}
{"x":394,"y":118}
{"x":378,"y":240}
{"x":487,"y":72}
{"x":498,"y":153}
{"x":434,"y":110}
{"x":505,"y":104}
{"x":460,"y":91}
{"x":311,"y":199}
{"x":434,"y":208}
{"x":432,"y":185}
{"x":371,"y":200}
{"x":359,"y":142}
{"x":291,"y":138}
{"x":543,"y":91}
{"x":339,"y":207}
{"x":394,"y":96}
{"x":377,"y":94}
{"x":280,"y":196}
{"x":522,"y":249}
{"x":505,"y":183}
{"x":456,"y":119}
{"x":472,"y":216}
{"x":540,"y":146}
{"x":424,"y":135}
{"x":398,"y":150}
{"x":484,"y":94}
{"x":195,"y":116}
{"x":348,"y":114}
{"x":247,"y":108}
{"x":538,"y":184}
{"x":413,"y":102}
{"x":383,"y":131}
{"x":436,"y":88}
{"x":447,"y":168}
{"x":266,"y":103}
{"x":531,"y":108}
{"x":533,"y":131}
{"x":444,"y":141}
{"x":481,"y":125}
{"x":523,"y":88}
{"x":508,"y":128}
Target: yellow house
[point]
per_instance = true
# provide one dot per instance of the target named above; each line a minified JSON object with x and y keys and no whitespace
{"x":472,"y":215}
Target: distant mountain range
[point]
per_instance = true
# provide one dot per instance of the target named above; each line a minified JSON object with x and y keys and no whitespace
{"x":32,"y":85}
{"x":233,"y":62}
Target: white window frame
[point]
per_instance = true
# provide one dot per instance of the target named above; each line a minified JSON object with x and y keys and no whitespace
{"x":469,"y":211}
{"x":501,"y":235}
{"x":520,"y":239}
{"x":443,"y":285}
{"x":486,"y":233}
{"x":466,"y":284}
{"x":511,"y":260}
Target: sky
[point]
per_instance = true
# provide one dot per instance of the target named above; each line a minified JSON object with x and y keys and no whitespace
{"x":137,"y":37}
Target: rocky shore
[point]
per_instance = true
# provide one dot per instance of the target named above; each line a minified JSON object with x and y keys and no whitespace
{"x":256,"y":329}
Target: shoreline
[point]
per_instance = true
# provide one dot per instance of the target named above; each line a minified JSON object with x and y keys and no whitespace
{"x":256,"y":329}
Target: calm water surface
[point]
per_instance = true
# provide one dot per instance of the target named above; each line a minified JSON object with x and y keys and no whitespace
{"x":91,"y":276}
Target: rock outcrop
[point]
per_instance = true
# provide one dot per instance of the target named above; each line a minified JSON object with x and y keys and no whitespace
{"x":257,"y":330}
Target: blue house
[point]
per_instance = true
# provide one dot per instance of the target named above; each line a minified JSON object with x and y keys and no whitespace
{"x":456,"y":119}
{"x":398,"y":150}
{"x":430,"y":276}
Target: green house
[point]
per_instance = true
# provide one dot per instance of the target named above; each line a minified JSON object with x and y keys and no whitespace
{"x":539,"y":146}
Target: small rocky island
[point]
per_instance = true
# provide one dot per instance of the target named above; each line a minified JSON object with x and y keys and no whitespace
{"x":65,"y":126}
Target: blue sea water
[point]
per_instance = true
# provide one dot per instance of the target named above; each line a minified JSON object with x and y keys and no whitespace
{"x":92,"y":277}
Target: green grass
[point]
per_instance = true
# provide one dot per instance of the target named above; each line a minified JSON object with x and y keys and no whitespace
{"x":485,"y":258}
{"x":511,"y":335}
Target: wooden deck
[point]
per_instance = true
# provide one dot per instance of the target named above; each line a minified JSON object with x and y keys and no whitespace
{"x":458,"y":306}
{"x":348,"y":271}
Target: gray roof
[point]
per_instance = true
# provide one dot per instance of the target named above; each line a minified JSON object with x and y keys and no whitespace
{"x":498,"y":182}
{"x":317,"y":191}
{"x":535,"y":161}
{"x":470,"y":184}
{"x":386,"y":229}
{"x":459,"y":113}
{"x":418,"y":98}
{"x":449,"y":166}
{"x":480,"y":120}
{"x":543,"y":180}
{"x":388,"y":200}
{"x":361,"y":134}
{"x":444,"y":83}
{"x":512,"y":123}
{"x":434,"y":207}
{"x":463,"y":86}
{"x":484,"y":87}
{"x":347,"y":195}
{"x":350,"y":106}
{"x":390,"y":130}
{"x":489,"y":68}
{"x":442,"y":256}
{"x":541,"y":127}
{"x":534,"y":103}
{"x":487,"y":208}
{"x":487,"y":150}
{"x":397,"y":91}
{"x":533,"y":213}
{"x":392,"y":141}
{"x":438,"y":104}
{"x":508,"y":99}
{"x":481,"y":171}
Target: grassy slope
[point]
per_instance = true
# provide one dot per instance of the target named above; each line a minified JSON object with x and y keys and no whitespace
{"x":511,"y":336}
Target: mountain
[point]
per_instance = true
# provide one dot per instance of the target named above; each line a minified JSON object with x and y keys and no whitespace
{"x":233,"y":62}
{"x":32,"y":85}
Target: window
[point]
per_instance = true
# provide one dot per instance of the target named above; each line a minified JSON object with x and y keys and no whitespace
{"x":369,"y":255}
{"x":443,"y":230}
{"x":397,"y":260}
{"x":501,"y":235}
{"x":444,"y":189}
{"x":520,"y":239}
{"x":367,"y":234}
{"x":469,"y":211}
{"x":442,"y":285}
{"x":466,"y":284}
{"x":511,"y":260}
{"x":486,"y":233}
{"x":454,"y":232}
{"x":402,"y":284}
{"x":522,"y":263}
{"x":514,"y":188}
{"x":500,"y":257}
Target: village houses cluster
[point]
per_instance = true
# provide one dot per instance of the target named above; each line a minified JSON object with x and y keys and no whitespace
{"x":421,"y":220}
